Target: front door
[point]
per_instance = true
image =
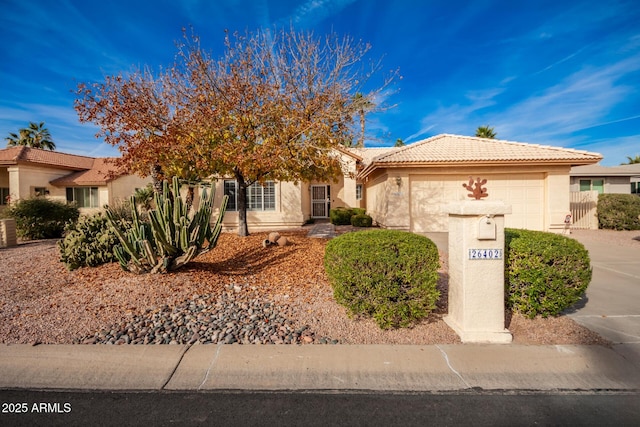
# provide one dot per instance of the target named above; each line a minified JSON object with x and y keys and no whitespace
{"x":320,"y":203}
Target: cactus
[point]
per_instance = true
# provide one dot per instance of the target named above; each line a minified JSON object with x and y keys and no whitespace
{"x":172,"y":238}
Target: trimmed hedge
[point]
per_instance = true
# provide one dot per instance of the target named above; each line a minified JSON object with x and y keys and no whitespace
{"x":41,"y":218}
{"x":545,"y":273}
{"x":361,"y":221}
{"x":619,"y":211}
{"x":343,"y":216}
{"x":387,"y":274}
{"x":340,"y":216}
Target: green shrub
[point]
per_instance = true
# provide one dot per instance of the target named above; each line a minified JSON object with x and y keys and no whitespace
{"x":619,"y":211}
{"x":544,"y":273}
{"x":340,"y":216}
{"x":358,"y":211}
{"x":361,"y":221}
{"x":88,"y":243}
{"x":41,"y":218}
{"x":388,"y":274}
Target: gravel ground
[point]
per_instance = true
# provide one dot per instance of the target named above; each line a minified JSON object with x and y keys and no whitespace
{"x":240,"y":292}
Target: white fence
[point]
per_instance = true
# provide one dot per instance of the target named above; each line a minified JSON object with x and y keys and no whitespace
{"x":583,"y":209}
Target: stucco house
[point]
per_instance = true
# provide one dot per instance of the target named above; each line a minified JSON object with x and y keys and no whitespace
{"x":408,"y":187}
{"x":29,"y":172}
{"x":402,"y":188}
{"x":621,"y":179}
{"x":279,"y":205}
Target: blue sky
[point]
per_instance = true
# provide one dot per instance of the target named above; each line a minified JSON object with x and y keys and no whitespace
{"x":563,"y":73}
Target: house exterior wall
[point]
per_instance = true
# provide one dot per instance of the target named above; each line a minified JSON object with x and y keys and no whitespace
{"x":557,"y":200}
{"x":414,"y":198}
{"x":612,"y":184}
{"x":24,"y":179}
{"x":288,"y":211}
{"x":293,"y":201}
{"x":377,"y":198}
{"x":125,"y":186}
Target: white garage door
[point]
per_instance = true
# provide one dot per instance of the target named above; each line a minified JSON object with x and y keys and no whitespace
{"x":431,"y":193}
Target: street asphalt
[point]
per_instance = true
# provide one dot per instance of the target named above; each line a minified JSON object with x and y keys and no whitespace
{"x":611,"y":308}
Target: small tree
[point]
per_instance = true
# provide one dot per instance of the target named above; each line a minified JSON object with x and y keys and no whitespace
{"x":273,"y":107}
{"x":485,"y":132}
{"x":399,"y":143}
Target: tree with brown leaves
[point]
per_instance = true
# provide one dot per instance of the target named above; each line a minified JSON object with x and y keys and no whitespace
{"x":275,"y":106}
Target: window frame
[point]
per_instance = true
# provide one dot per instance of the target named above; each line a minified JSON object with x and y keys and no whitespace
{"x":592,"y":187}
{"x":94,"y":196}
{"x":260,"y":197}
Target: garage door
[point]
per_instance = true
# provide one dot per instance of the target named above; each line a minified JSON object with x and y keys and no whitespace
{"x":431,"y":193}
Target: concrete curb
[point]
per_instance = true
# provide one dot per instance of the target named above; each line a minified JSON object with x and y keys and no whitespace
{"x":316,"y":367}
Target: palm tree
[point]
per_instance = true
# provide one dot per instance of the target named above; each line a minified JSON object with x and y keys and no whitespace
{"x":632,"y":160}
{"x":362,"y":105}
{"x":22,"y":138}
{"x":485,"y":132}
{"x":399,"y":143}
{"x":35,"y":136}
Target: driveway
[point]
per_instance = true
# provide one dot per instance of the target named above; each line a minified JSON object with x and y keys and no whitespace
{"x":612,"y":303}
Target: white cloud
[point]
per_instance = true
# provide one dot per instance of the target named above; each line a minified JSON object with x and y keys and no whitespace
{"x":313,"y":11}
{"x":582,"y":100}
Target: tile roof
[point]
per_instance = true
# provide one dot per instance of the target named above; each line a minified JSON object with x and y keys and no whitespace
{"x":84,"y":170}
{"x":15,"y":155}
{"x":102,"y":171}
{"x":597,"y":170}
{"x":368,"y":154}
{"x":454,"y":149}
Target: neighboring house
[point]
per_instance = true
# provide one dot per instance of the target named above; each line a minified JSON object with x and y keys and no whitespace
{"x":616,"y":179}
{"x":27,"y":172}
{"x":635,"y":180}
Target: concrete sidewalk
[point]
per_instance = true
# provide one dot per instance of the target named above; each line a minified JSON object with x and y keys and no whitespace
{"x":317,"y":367}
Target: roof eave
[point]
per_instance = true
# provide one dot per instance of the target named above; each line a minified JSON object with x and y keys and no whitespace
{"x":529,"y":162}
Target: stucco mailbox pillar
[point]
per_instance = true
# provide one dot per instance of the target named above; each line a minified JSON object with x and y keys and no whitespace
{"x":476,"y":271}
{"x":8,"y":235}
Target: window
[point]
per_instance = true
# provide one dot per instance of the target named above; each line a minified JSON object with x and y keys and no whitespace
{"x":592,"y":185}
{"x":4,"y":196}
{"x":635,"y":187}
{"x":358,"y":191}
{"x":40,"y":191}
{"x":230,"y":190}
{"x":259,"y":197}
{"x":85,"y":197}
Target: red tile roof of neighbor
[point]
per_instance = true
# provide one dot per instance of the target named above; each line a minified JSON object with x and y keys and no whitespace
{"x":15,"y":155}
{"x":84,"y":170}
{"x":102,"y":171}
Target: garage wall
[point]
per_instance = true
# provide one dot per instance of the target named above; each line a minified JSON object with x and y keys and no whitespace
{"x":376,"y":199}
{"x":431,"y":193}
